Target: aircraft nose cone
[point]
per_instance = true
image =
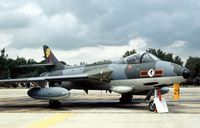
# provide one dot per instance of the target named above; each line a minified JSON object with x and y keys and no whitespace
{"x":186,"y":73}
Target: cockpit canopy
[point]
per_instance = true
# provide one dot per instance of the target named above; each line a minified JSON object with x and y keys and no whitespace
{"x":140,"y":58}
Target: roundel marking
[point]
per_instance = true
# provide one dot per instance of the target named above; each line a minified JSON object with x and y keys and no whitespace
{"x":48,"y":52}
{"x":129,"y":67}
{"x":151,"y":73}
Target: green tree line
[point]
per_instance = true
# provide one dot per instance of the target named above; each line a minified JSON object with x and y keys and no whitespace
{"x":9,"y":67}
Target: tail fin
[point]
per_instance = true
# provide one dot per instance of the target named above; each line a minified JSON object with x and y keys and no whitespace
{"x":50,"y":58}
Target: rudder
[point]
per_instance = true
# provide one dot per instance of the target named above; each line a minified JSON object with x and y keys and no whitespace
{"x":50,"y":58}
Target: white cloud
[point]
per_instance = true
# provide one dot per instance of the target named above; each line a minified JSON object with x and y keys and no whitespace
{"x":5,"y":39}
{"x":84,"y":54}
{"x":101,"y":52}
{"x":178,"y":48}
{"x":28,"y":53}
{"x":30,"y":9}
{"x":63,"y":22}
{"x":178,"y":44}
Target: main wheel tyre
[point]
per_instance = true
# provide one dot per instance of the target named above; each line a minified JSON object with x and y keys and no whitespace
{"x":152,"y":106}
{"x":122,"y":100}
{"x":126,"y":98}
{"x":54,"y":104}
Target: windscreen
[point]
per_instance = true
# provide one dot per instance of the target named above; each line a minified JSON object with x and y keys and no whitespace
{"x":148,"y":57}
{"x":141,"y":58}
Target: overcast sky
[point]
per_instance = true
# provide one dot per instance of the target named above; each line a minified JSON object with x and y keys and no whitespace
{"x":91,"y":30}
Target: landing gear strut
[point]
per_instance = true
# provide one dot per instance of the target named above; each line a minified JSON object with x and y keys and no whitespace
{"x":126,"y":98}
{"x":54,"y":103}
{"x":158,"y":104}
{"x":152,"y":105}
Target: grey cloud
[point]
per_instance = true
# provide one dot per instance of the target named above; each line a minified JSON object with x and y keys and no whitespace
{"x":13,"y":21}
{"x":108,"y":22}
{"x":10,"y":18}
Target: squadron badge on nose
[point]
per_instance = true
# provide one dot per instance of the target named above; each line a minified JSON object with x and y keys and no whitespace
{"x":151,"y":73}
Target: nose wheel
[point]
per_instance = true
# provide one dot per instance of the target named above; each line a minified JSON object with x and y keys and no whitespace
{"x":158,"y":104}
{"x":152,"y":106}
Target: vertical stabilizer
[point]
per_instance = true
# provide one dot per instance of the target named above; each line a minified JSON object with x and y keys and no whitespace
{"x":50,"y":58}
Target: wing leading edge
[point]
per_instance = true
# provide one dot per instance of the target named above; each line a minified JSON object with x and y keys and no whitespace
{"x":102,"y":76}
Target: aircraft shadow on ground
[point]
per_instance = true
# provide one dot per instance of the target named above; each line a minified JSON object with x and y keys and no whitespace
{"x":35,"y":105}
{"x":17,"y":105}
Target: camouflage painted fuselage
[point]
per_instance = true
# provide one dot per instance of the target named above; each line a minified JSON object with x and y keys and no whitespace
{"x":135,"y":76}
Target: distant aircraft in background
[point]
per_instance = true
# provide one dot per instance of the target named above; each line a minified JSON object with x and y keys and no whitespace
{"x":137,"y":74}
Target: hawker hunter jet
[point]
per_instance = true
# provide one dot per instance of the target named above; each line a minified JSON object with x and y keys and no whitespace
{"x":137,"y":74}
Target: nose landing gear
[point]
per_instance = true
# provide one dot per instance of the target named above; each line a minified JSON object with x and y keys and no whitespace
{"x":152,"y":106}
{"x":158,"y":104}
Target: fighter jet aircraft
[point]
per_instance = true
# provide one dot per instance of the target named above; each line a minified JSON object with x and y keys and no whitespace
{"x":137,"y":74}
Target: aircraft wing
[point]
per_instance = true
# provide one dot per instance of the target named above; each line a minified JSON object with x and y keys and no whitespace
{"x":47,"y":78}
{"x":36,"y":65}
{"x":102,"y":76}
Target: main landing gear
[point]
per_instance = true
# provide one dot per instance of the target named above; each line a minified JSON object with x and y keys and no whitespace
{"x":126,"y":98}
{"x":158,"y":104}
{"x":54,"y":103}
